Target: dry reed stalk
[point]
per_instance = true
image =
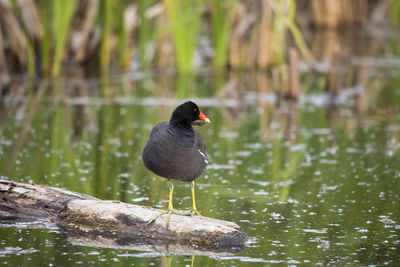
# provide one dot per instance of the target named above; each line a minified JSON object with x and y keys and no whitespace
{"x":30,"y":16}
{"x":294,"y":77}
{"x":326,"y":13}
{"x":324,"y":45}
{"x":332,"y":14}
{"x":235,"y":42}
{"x":163,"y":51}
{"x":3,"y":66}
{"x":106,"y":16}
{"x":234,"y":54}
{"x":252,"y":49}
{"x":80,"y":47}
{"x":354,"y":12}
{"x":14,"y":30}
{"x":130,"y":22}
{"x":164,"y":47}
{"x":264,"y":42}
{"x":361,"y":11}
{"x":239,"y":44}
{"x":345,"y":12}
{"x":335,"y":48}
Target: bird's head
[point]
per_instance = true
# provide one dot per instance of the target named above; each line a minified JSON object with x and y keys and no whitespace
{"x":188,"y":112}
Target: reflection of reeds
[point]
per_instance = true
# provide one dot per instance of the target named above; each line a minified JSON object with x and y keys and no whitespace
{"x":22,"y":135}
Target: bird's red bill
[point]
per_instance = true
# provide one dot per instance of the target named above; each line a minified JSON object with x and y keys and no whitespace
{"x":204,"y":117}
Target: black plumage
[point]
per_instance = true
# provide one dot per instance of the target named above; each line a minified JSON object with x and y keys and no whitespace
{"x":177,"y":151}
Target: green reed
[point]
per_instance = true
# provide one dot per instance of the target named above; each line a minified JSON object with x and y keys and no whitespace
{"x":285,"y":19}
{"x":45,"y":42}
{"x":395,"y":12}
{"x":63,"y":12}
{"x":184,"y":17}
{"x":105,"y":21}
{"x":146,"y":33}
{"x":123,"y":49}
{"x":290,"y":23}
{"x":113,"y":42}
{"x":222,"y":12}
{"x":60,"y":20}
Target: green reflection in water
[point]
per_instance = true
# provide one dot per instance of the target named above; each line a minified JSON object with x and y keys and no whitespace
{"x":309,"y":184}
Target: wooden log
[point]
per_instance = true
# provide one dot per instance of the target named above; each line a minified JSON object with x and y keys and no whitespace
{"x":27,"y":202}
{"x":86,"y":220}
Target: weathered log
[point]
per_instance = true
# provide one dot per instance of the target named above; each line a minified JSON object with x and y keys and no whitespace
{"x":27,"y":202}
{"x":86,"y":220}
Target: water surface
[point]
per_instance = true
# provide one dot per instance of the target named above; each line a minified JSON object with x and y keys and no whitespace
{"x":312,"y":182}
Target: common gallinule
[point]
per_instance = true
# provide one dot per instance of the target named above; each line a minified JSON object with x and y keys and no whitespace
{"x":176,"y":151}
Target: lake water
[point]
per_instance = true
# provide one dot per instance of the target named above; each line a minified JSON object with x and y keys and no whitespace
{"x":312,"y":182}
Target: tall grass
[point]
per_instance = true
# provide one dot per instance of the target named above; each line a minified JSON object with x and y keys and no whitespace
{"x":395,"y":12}
{"x":222,"y":13}
{"x":105,"y":18}
{"x":123,"y":38}
{"x":184,"y":17}
{"x":63,"y":12}
{"x":289,"y":21}
{"x":46,"y":41}
{"x":285,"y":19}
{"x":146,"y":33}
{"x":240,"y":34}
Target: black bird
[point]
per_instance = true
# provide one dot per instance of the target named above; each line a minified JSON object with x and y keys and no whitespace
{"x":176,"y":151}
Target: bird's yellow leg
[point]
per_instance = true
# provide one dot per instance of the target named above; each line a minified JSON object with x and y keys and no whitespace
{"x":192,"y":261}
{"x":171,"y":209}
{"x":194,"y":209}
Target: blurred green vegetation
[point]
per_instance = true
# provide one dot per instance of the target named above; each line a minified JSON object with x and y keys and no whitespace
{"x":42,"y":37}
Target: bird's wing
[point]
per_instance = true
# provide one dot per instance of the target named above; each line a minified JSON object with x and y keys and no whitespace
{"x":201,"y":145}
{"x":157,"y":128}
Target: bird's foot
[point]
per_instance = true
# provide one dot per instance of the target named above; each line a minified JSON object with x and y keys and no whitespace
{"x":169,"y":212}
{"x":195,"y":212}
{"x":192,"y":212}
{"x":156,"y":216}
